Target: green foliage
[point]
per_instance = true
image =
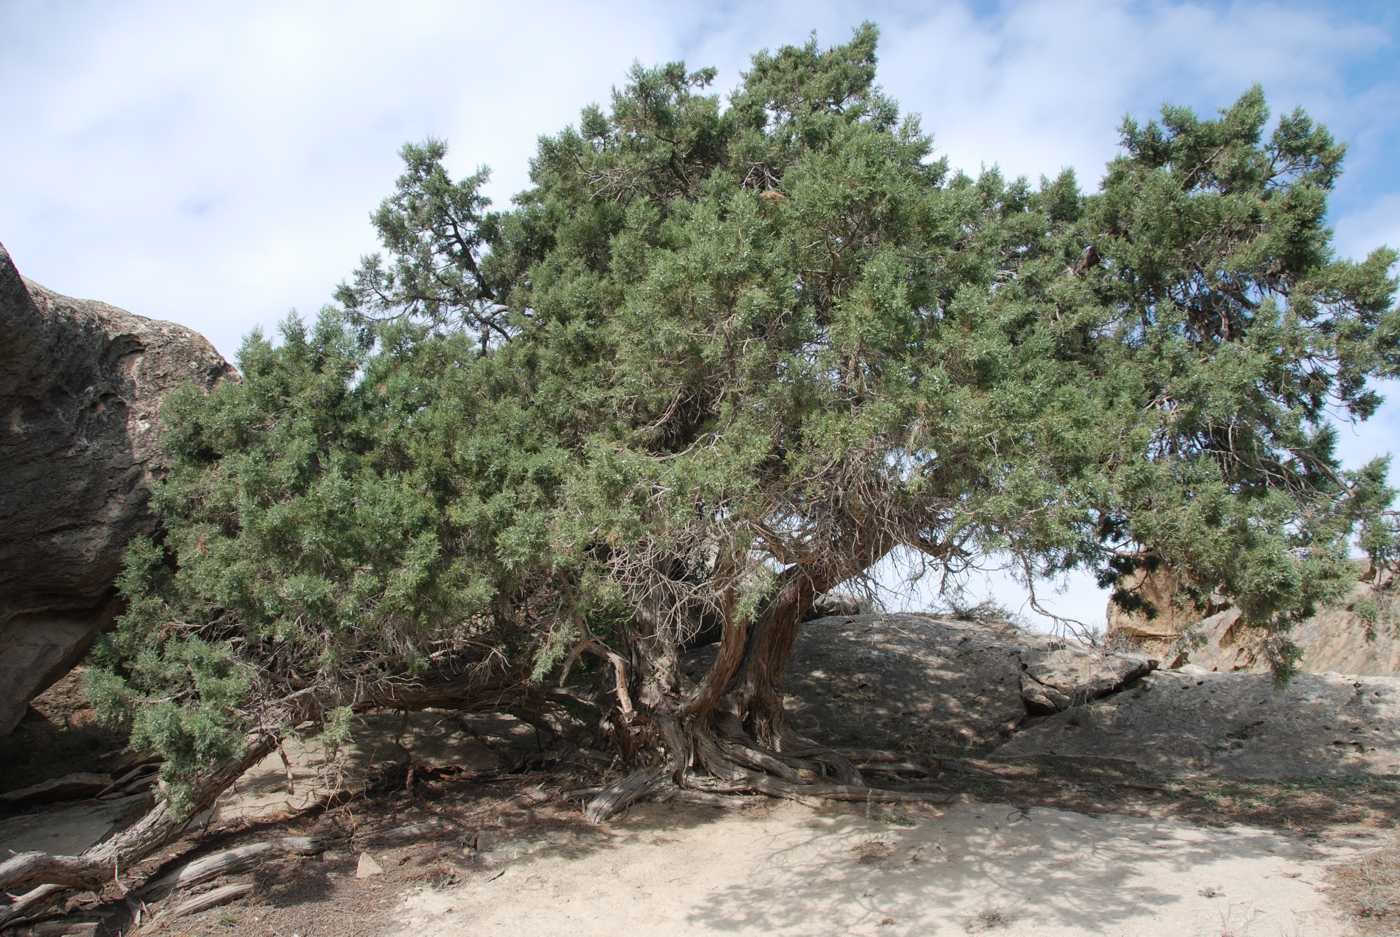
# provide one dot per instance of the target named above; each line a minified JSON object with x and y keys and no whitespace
{"x":321,"y":532}
{"x":712,"y":341}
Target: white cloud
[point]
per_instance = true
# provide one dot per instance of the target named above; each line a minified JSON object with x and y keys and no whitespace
{"x":1362,"y":231}
{"x":216,"y":164}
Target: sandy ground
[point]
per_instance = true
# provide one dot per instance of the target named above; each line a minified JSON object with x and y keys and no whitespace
{"x":978,"y":868}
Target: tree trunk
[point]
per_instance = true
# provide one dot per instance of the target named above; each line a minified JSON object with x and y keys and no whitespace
{"x":732,"y":728}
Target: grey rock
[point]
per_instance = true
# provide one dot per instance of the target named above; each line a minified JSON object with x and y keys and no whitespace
{"x":832,"y":604}
{"x":1175,"y":723}
{"x":81,"y":384}
{"x":68,"y":829}
{"x":79,"y":785}
{"x":1058,"y":676}
{"x":930,"y":686}
{"x":1358,"y":635}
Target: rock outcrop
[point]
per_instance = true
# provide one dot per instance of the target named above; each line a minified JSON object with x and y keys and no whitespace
{"x":930,"y":686}
{"x":81,"y":384}
{"x":1358,"y":635}
{"x":1163,"y":614}
{"x":1191,"y":722}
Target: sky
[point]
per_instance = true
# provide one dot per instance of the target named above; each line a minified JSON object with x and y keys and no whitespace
{"x":215,"y":164}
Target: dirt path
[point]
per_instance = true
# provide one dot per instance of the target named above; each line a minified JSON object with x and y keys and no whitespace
{"x":978,"y":868}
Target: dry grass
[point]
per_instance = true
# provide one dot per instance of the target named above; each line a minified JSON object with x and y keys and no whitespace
{"x":1368,"y":891}
{"x":872,"y":852}
{"x":991,"y":918}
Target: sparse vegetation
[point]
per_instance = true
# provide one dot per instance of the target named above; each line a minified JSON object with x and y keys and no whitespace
{"x":1368,"y":890}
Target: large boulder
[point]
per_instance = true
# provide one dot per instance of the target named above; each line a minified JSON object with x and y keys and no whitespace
{"x":81,"y":384}
{"x":1192,"y":723}
{"x":1161,"y":613}
{"x":929,"y":686}
{"x":1358,"y":635}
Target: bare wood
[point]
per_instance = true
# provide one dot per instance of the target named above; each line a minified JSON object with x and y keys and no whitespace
{"x":898,"y":767}
{"x":869,"y":756}
{"x":706,"y":799}
{"x":287,"y":768}
{"x":624,"y":792}
{"x":30,"y":903}
{"x":751,"y":757}
{"x":161,"y":825}
{"x":63,"y":927}
{"x":405,"y":833}
{"x":143,"y":775}
{"x":210,"y":899}
{"x":237,"y":859}
{"x":812,"y":794}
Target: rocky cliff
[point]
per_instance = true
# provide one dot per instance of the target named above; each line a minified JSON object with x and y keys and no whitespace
{"x":81,"y":384}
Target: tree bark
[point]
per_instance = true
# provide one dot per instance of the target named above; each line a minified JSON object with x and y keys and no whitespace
{"x":732,"y":726}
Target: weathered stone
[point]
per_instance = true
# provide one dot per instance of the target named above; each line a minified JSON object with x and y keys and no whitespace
{"x":832,"y":604}
{"x":1358,"y":635}
{"x":68,"y":829}
{"x":933,"y":686}
{"x":930,"y":686}
{"x":1189,"y":722}
{"x":81,"y":384}
{"x":1164,"y":615}
{"x":1058,"y":677}
{"x":76,"y":786}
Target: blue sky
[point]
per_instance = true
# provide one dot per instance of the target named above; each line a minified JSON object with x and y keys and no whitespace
{"x":215,"y":164}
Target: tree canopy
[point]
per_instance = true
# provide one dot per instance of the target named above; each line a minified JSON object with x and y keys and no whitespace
{"x":725,"y":354}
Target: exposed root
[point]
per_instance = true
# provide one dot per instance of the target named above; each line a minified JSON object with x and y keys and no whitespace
{"x":628,"y":790}
{"x":814,"y":794}
{"x":871,"y":756}
{"x":900,"y":767}
{"x":805,"y":772}
{"x":703,"y":798}
{"x":839,"y":767}
{"x":106,"y":861}
{"x":27,"y":906}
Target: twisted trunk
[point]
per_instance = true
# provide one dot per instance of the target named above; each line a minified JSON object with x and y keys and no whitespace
{"x":729,"y":733}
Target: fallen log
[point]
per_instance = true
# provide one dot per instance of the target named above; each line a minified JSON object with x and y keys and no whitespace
{"x":165,"y":822}
{"x":63,"y":927}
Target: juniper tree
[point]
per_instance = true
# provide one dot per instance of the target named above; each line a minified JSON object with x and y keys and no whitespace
{"x":723,"y":355}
